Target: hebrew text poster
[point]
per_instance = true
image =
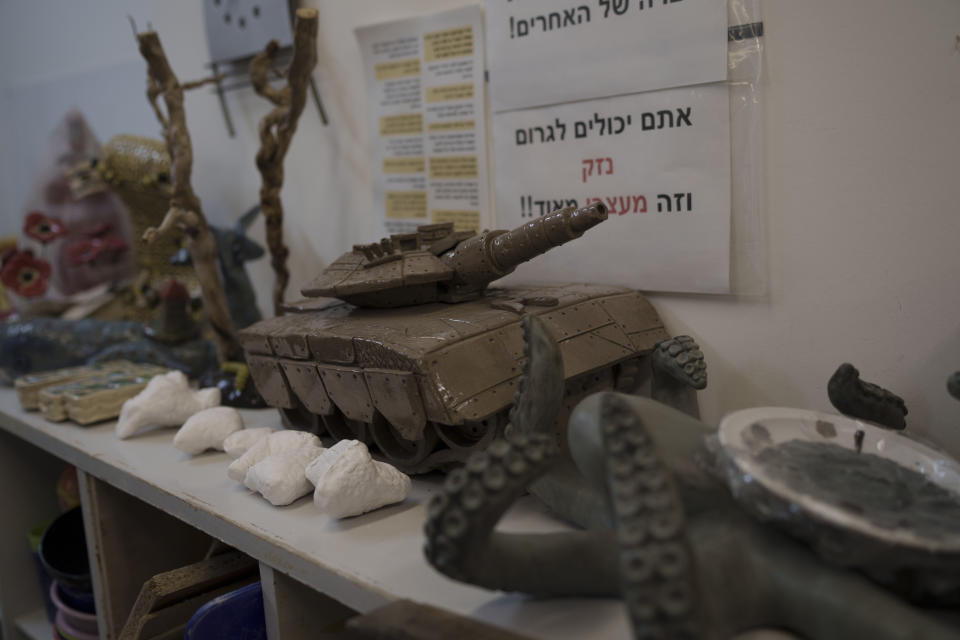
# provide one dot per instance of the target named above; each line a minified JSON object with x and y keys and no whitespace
{"x":659,"y":161}
{"x":549,"y":51}
{"x":425,"y":89}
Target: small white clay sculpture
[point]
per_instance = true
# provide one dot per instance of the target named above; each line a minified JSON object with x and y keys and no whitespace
{"x":207,"y":430}
{"x":349,"y":482}
{"x":283,"y":440}
{"x":167,"y":401}
{"x":238,"y":442}
{"x":281,"y":478}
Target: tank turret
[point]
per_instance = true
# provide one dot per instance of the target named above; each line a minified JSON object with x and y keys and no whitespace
{"x":437,"y":263}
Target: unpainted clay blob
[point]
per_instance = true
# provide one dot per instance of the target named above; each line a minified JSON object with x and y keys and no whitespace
{"x":281,"y":478}
{"x":237,"y":444}
{"x":207,"y":429}
{"x":349,"y":482}
{"x":167,"y":401}
{"x":283,"y":440}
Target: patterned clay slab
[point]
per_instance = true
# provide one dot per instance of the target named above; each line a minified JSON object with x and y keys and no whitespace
{"x":95,"y":399}
{"x":28,"y":387}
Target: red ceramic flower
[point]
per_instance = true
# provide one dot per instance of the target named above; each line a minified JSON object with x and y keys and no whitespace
{"x":25,"y":275}
{"x":41,"y":227}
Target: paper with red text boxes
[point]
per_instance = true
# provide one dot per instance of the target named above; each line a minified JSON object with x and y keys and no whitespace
{"x":550,"y":51}
{"x":659,"y":160}
{"x":425,"y":88}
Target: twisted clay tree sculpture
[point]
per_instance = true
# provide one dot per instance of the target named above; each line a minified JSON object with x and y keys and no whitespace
{"x":185,"y":213}
{"x":659,"y":530}
{"x":276,"y":133}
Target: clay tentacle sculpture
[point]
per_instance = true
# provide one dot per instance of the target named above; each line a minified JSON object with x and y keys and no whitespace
{"x":462,"y":543}
{"x":637,"y":461}
{"x":537,"y":404}
{"x":679,"y":371}
{"x":953,"y":385}
{"x":860,"y":399}
{"x":646,"y":557}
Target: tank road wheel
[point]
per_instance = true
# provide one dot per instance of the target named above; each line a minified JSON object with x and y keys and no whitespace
{"x":301,"y":418}
{"x":340,"y":427}
{"x":471,"y":436}
{"x":404,"y":454}
{"x":629,"y":376}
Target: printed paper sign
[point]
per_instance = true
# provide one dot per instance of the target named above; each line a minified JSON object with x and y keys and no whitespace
{"x":425,"y":95}
{"x":551,"y":51}
{"x":660,"y":161}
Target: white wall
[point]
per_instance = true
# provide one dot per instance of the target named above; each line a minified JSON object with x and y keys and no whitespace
{"x":861,"y":189}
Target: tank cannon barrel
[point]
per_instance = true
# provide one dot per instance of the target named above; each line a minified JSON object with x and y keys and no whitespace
{"x":481,"y":259}
{"x":539,"y":236}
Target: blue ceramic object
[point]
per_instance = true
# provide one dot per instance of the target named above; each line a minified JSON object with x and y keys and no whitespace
{"x":238,"y":614}
{"x":79,"y":599}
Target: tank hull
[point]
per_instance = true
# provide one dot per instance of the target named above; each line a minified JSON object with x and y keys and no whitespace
{"x":427,"y":383}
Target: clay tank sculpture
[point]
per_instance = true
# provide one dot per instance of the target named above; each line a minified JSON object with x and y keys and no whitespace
{"x":422,"y":360}
{"x":659,"y":526}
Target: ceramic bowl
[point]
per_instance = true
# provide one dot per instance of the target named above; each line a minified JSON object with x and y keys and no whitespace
{"x":63,"y":550}
{"x":69,"y":632}
{"x":907,"y":542}
{"x":78,"y":620}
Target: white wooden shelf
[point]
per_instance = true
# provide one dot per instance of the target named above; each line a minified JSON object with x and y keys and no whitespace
{"x":362,"y":562}
{"x":34,"y":625}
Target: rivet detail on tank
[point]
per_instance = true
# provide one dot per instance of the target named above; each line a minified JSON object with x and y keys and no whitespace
{"x":271,"y":383}
{"x":290,"y":346}
{"x":348,"y":390}
{"x":396,"y":395}
{"x":304,"y":379}
{"x":332,"y":349}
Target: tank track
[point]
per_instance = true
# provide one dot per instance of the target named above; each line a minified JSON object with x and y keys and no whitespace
{"x":443,"y":446}
{"x":681,"y":358}
{"x":446,"y":446}
{"x":440,"y":448}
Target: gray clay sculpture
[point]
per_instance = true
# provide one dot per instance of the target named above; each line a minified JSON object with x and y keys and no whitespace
{"x":860,"y":399}
{"x":856,"y":398}
{"x":659,"y":528}
{"x":953,"y":385}
{"x":43,"y":344}
{"x":234,"y":250}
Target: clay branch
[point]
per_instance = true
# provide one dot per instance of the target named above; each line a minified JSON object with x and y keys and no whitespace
{"x":185,"y":212}
{"x":196,"y":84}
{"x":276,"y":133}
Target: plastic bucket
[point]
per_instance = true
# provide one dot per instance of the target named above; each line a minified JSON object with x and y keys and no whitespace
{"x":68,"y":632}
{"x":75,"y":620}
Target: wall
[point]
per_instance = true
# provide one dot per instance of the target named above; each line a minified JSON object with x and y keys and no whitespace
{"x":860,"y":143}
